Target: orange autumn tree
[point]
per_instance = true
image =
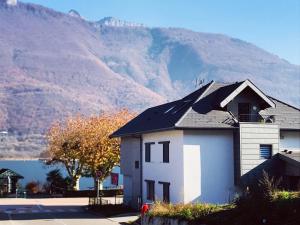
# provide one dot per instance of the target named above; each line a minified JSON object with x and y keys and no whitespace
{"x":65,"y":147}
{"x":104,"y":152}
{"x":83,"y":145}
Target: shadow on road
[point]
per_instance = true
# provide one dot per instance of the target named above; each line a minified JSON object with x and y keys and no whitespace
{"x":31,"y":212}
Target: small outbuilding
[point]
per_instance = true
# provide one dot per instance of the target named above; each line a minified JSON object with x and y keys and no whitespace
{"x":8,"y":181}
{"x":291,"y":168}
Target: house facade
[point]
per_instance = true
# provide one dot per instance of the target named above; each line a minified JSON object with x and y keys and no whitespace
{"x":8,"y":181}
{"x":205,"y":146}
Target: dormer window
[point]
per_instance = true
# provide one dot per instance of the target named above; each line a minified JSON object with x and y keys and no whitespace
{"x":244,"y":112}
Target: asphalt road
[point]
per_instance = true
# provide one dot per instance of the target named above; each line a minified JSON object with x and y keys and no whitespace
{"x":48,"y":212}
{"x":64,"y":218}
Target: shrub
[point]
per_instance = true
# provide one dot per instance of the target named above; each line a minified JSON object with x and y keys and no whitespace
{"x":56,"y":183}
{"x":285,"y":195}
{"x":33,"y":187}
{"x":268,"y":186}
{"x":188,"y":211}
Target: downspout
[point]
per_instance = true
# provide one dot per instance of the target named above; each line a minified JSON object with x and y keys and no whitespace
{"x":141,"y":169}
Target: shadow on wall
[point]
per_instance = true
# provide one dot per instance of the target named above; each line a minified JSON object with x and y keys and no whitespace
{"x":274,"y":167}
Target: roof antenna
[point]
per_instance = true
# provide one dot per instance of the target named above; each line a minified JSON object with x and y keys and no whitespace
{"x":199,"y":82}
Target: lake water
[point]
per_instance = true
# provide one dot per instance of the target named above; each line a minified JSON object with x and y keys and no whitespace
{"x":36,"y":170}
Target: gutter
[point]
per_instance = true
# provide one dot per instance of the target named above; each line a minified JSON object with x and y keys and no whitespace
{"x":141,"y":169}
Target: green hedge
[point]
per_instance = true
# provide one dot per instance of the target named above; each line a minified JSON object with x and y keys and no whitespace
{"x":282,"y":208}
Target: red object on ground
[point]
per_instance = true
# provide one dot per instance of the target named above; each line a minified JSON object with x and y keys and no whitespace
{"x":114,"y":179}
{"x":144,"y":209}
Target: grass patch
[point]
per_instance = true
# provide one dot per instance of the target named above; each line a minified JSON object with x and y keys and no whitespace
{"x":187,"y":211}
{"x":285,"y":195}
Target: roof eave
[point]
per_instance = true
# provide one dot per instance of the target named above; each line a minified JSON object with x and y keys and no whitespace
{"x":206,"y":128}
{"x":141,"y":132}
{"x":239,"y":89}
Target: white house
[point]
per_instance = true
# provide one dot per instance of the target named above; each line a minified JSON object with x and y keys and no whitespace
{"x":203,"y":147}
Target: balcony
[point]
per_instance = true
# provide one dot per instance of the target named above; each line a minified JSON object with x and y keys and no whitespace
{"x":256,"y":118}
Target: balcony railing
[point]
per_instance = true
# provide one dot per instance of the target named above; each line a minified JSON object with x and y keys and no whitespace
{"x":256,"y":118}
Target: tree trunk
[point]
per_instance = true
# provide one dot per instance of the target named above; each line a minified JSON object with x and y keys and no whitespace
{"x":75,"y":183}
{"x":95,"y":183}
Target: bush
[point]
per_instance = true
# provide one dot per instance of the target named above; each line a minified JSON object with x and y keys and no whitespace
{"x":268,"y":185}
{"x":285,"y":195}
{"x":282,"y":209}
{"x":33,"y":187}
{"x":186,"y":211}
{"x":56,"y":183}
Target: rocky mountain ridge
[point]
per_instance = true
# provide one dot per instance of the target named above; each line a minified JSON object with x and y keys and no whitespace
{"x":53,"y":65}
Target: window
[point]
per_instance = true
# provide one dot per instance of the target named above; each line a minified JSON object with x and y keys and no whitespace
{"x":166,"y":191}
{"x":244,"y":112}
{"x":166,"y":145}
{"x":148,"y":151}
{"x":136,"y":164}
{"x":265,"y":151}
{"x":150,"y":190}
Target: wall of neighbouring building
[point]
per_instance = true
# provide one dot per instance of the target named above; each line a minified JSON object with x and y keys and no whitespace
{"x":211,"y":177}
{"x":130,"y":152}
{"x":290,"y":140}
{"x":251,"y":136}
{"x":171,"y":172}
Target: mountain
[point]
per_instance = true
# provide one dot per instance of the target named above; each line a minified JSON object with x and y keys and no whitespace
{"x":53,"y":65}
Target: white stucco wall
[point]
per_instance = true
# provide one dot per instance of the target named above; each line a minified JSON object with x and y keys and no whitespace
{"x":214,"y":180}
{"x":191,"y":172}
{"x":171,"y":172}
{"x":290,"y":140}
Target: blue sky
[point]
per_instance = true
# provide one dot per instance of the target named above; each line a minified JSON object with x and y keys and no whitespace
{"x":273,"y":25}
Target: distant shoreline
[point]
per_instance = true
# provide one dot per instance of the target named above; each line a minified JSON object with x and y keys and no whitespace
{"x":21,"y":159}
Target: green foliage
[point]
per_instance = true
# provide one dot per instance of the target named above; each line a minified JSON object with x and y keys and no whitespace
{"x":268,"y":185}
{"x":56,"y":183}
{"x":283,"y":208}
{"x":186,"y":211}
{"x":285,"y":195}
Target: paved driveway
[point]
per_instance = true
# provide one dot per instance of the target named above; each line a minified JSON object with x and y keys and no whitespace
{"x":61,"y":211}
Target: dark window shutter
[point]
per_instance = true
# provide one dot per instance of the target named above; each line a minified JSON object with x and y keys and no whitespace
{"x":150,"y":190}
{"x":147,"y":152}
{"x":166,"y":192}
{"x":166,"y":152}
{"x":136,"y":164}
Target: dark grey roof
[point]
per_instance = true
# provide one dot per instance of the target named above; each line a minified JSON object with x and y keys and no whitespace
{"x":161,"y":117}
{"x":201,"y":109}
{"x":286,"y":116}
{"x":206,"y":113}
{"x":4,"y":173}
{"x":291,"y":157}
